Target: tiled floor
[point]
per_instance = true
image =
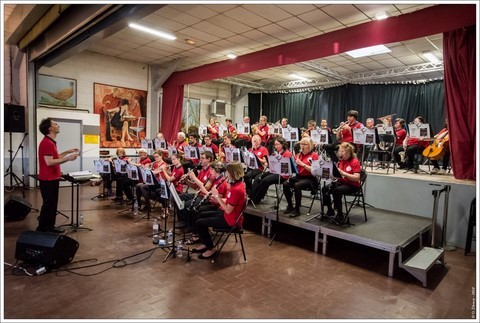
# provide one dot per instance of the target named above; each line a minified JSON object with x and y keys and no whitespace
{"x":125,"y":277}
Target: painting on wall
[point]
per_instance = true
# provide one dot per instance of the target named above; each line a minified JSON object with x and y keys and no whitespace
{"x":190,"y":115}
{"x":56,"y":91}
{"x":122,"y":111}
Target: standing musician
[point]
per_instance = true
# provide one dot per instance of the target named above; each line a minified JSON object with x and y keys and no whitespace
{"x":213,"y":130}
{"x":411,"y":146}
{"x":230,"y":210}
{"x":262,"y":182}
{"x":143,"y":189}
{"x":261,"y":153}
{"x":349,"y":167}
{"x":440,"y":150}
{"x":180,"y":142}
{"x":304,"y":178}
{"x":202,"y":204}
{"x":344,"y":133}
{"x":226,"y":144}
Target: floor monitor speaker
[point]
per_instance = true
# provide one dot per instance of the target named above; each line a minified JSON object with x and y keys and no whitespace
{"x":46,"y":249}
{"x":16,"y":208}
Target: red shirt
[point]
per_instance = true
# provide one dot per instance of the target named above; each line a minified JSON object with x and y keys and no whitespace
{"x":231,"y":128}
{"x":306,"y":159}
{"x":236,"y":196}
{"x":221,"y":184}
{"x":260,"y":152}
{"x":212,"y":134}
{"x":179,"y":145}
{"x":214,"y":148}
{"x":347,"y":135}
{"x":264,"y":128}
{"x":48,"y":147}
{"x":204,"y":174}
{"x":350,"y":166}
{"x":400,"y":136}
{"x":194,"y":160}
{"x":157,"y":165}
{"x":178,"y":172}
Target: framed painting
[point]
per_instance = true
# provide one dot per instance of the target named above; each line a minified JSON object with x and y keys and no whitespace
{"x":123,"y":111}
{"x":56,"y":91}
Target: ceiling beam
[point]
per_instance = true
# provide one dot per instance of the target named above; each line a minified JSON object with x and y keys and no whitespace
{"x":428,"y":21}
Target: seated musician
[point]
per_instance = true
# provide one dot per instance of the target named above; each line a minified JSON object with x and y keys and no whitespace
{"x":213,"y":131}
{"x":411,"y":146}
{"x":144,"y":190}
{"x":227,"y":144}
{"x":349,"y":167}
{"x":164,"y":151}
{"x":369,"y":124}
{"x":311,"y":125}
{"x":400,"y":132}
{"x":261,"y":153}
{"x":117,"y":122}
{"x":173,"y":175}
{"x":180,"y":142}
{"x":244,"y":140}
{"x":304,"y":179}
{"x":124,"y":184}
{"x":441,"y":142}
{"x":208,"y":143}
{"x":344,"y":134}
{"x":262,"y":131}
{"x":202,"y":206}
{"x":193,"y":142}
{"x":262,"y":182}
{"x":284,"y":124}
{"x":230,"y":210}
{"x":191,"y":180}
{"x":231,"y":128}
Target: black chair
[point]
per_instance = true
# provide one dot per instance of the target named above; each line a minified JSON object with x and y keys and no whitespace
{"x":358,"y":198}
{"x":384,"y":152}
{"x":235,"y":229}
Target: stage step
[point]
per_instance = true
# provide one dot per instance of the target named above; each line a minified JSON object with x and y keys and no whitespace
{"x":419,"y":264}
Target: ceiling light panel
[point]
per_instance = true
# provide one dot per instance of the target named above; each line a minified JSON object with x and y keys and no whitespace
{"x":152,"y":31}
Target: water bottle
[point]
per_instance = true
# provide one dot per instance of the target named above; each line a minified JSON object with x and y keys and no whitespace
{"x":180,"y":249}
{"x":155,"y":227}
{"x":170,"y":237}
{"x":135,"y":208}
{"x":80,"y":220}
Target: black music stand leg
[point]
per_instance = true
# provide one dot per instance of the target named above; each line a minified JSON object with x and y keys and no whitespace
{"x":75,"y":226}
{"x":172,"y":247}
{"x":276,"y":215}
{"x":321,"y":214}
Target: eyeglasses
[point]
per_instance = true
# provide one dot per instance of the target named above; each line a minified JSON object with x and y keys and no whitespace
{"x":304,"y":143}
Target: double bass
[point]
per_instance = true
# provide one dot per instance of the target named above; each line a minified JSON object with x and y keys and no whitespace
{"x":437,"y":148}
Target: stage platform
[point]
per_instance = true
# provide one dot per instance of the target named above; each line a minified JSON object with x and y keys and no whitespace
{"x":399,"y":211}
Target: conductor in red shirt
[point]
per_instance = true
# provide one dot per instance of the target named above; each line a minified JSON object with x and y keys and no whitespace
{"x":49,"y":174}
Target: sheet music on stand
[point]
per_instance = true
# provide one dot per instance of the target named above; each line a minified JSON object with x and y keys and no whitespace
{"x":243,"y":128}
{"x":232,"y":155}
{"x":172,"y":150}
{"x":282,"y":166}
{"x":163,"y":188}
{"x":419,"y":131}
{"x":325,"y":169}
{"x":160,"y":143}
{"x":180,"y":204}
{"x":253,"y":161}
{"x":385,"y":130}
{"x":120,"y":166}
{"x":203,"y":149}
{"x":191,"y":152}
{"x":148,"y":145}
{"x":102,"y":166}
{"x":222,"y":130}
{"x":202,"y":130}
{"x":132,"y":172}
{"x":319,"y":136}
{"x":290,"y":134}
{"x":364,"y":136}
{"x":148,"y":177}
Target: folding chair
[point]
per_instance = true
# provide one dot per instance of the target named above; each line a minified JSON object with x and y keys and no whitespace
{"x":236,"y":230}
{"x":384,"y":151}
{"x":358,"y":197}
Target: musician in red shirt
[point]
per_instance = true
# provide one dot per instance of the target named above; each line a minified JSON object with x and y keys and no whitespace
{"x":262,"y":130}
{"x":344,"y":133}
{"x":304,"y":179}
{"x":49,"y":174}
{"x":208,"y":143}
{"x":213,"y":130}
{"x":231,"y":210}
{"x":411,"y":146}
{"x":180,"y":143}
{"x":143,"y":189}
{"x":261,"y":153}
{"x":349,"y":168}
{"x":262,"y":182}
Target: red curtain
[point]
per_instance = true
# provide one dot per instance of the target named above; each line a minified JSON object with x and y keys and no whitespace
{"x":460,"y":97}
{"x":172,"y":104}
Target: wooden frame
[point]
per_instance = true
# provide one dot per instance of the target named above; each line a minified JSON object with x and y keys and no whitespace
{"x":56,"y":91}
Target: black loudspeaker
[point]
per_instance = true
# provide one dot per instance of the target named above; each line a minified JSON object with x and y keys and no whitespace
{"x":16,"y":208}
{"x":14,"y":118}
{"x":46,"y":249}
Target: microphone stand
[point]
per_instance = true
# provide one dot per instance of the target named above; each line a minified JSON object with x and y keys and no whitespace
{"x":277,"y":207}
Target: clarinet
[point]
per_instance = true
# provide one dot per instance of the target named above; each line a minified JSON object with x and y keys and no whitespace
{"x":207,"y":196}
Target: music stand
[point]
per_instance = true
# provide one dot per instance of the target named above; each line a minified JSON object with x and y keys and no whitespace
{"x":284,"y":166}
{"x":180,"y":204}
{"x":74,"y":225}
{"x":37,"y":210}
{"x":101,"y":169}
{"x":132,"y":175}
{"x":152,"y":181}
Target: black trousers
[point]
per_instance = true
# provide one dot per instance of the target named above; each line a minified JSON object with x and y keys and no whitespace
{"x":337,"y":190}
{"x":298,"y":183}
{"x":248,"y":178}
{"x":48,"y":212}
{"x":216,"y":220}
{"x":261,"y":183}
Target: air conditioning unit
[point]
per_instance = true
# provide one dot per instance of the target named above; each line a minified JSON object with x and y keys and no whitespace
{"x":218,"y":108}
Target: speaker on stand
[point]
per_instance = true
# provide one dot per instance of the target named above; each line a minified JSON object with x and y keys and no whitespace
{"x":16,"y":208}
{"x":14,"y":121}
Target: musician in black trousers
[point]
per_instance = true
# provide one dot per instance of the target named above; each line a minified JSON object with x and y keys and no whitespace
{"x":49,"y":174}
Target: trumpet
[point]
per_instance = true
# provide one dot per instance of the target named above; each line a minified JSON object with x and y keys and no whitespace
{"x":342,"y":124}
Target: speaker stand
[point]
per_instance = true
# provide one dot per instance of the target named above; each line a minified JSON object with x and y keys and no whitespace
{"x":18,"y":182}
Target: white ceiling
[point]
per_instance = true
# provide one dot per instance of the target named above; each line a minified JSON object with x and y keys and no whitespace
{"x":219,"y":29}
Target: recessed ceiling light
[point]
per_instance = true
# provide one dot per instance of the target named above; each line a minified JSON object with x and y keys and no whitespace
{"x":152,"y":31}
{"x":231,"y":55}
{"x":298,"y":77}
{"x":368,"y":51}
{"x":431,"y":57}
{"x":191,"y":42}
{"x":381,"y":15}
